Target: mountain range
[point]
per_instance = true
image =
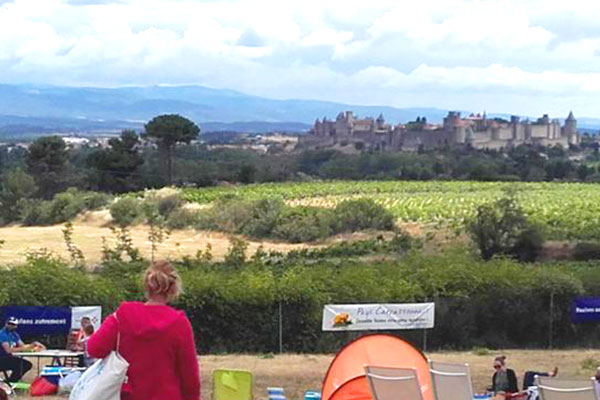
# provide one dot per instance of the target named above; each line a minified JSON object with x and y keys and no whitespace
{"x":42,"y":109}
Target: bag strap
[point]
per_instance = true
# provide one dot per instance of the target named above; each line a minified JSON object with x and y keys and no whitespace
{"x":118,"y":332}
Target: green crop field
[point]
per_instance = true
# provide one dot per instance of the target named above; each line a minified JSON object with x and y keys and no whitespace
{"x":568,"y":210}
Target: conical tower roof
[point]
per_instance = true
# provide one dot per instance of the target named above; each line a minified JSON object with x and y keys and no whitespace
{"x":570,"y":117}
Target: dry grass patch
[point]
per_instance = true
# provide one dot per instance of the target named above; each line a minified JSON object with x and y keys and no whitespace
{"x":297,"y":373}
{"x":88,"y":237}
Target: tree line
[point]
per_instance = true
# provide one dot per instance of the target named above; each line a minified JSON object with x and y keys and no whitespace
{"x":167,"y":152}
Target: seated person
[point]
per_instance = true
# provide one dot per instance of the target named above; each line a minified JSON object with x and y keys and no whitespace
{"x":10,"y":342}
{"x":76,"y":336}
{"x":504,"y":379}
{"x":87,"y":360}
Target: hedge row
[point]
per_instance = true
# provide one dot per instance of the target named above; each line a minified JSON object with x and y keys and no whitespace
{"x":499,"y":303}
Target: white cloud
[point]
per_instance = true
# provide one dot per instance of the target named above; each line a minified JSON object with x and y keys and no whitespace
{"x":521,"y":54}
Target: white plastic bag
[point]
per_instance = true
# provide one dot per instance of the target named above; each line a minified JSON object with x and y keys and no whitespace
{"x":67,"y":383}
{"x":104,"y":379}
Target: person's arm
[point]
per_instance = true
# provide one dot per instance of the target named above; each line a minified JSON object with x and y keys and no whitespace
{"x":187,"y":363}
{"x":512,"y":381}
{"x":494,"y":382}
{"x":101,"y":343}
{"x":19,"y":347}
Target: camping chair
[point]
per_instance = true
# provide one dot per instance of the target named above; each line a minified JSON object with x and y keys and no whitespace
{"x":229,"y":384}
{"x":565,"y":389}
{"x":385,"y":383}
{"x":451,"y":381}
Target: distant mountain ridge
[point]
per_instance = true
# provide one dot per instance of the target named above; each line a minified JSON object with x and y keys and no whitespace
{"x":30,"y":108}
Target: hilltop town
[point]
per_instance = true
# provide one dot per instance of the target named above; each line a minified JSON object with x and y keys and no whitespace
{"x":477,"y":131}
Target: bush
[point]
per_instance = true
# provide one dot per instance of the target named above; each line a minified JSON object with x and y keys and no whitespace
{"x":586,"y":251}
{"x":66,"y":206}
{"x":303,"y":224}
{"x":502,"y":228}
{"x":168,"y":204}
{"x":126,"y":211}
{"x":96,"y":200}
{"x":182,"y":218}
{"x":356,"y":215}
{"x":34,"y":212}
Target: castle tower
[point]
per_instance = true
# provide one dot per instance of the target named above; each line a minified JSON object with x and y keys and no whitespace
{"x":570,"y":129}
{"x":380,"y":122}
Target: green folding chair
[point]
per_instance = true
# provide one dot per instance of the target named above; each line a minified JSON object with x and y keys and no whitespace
{"x":231,"y":384}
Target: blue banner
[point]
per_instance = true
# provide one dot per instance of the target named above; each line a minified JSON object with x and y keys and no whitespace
{"x":586,"y":310}
{"x":35,"y":321}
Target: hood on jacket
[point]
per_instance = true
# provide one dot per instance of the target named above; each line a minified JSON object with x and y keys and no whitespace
{"x":147,"y":320}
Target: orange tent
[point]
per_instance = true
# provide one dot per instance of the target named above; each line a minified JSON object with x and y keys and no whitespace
{"x":345,"y":379}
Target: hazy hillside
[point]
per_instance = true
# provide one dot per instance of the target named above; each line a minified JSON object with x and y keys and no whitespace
{"x":41,"y":109}
{"x":47,"y":108}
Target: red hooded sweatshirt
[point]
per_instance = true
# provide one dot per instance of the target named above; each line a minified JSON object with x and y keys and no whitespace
{"x":158,"y":343}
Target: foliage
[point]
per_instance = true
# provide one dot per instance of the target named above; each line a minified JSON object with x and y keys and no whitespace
{"x":502,"y":228}
{"x":168,"y":130}
{"x":77,"y":257}
{"x":126,"y":211}
{"x":565,"y":210}
{"x":116,"y":168}
{"x":584,"y":251}
{"x":356,"y":215}
{"x":47,"y":161}
{"x":474,"y":299}
{"x":16,"y":185}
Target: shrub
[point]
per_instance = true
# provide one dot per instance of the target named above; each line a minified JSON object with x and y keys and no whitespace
{"x":586,"y":251}
{"x":168,"y":204}
{"x":303,"y":224}
{"x":66,"y":206}
{"x":34,"y":212}
{"x":126,"y":211}
{"x":502,"y":228}
{"x":356,"y":215}
{"x":96,"y":200}
{"x":262,"y":218}
{"x":184,"y":218}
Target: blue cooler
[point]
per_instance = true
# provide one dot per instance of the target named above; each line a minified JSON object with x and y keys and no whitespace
{"x":312,"y":395}
{"x":275,"y":393}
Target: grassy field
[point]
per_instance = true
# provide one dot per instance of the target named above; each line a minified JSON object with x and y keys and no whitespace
{"x":297,"y":373}
{"x":568,"y":210}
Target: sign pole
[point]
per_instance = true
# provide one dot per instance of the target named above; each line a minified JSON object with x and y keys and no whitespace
{"x":280,"y":329}
{"x":424,"y":340}
{"x":550,"y":331}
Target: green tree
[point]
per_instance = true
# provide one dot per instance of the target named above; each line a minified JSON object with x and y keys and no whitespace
{"x":167,"y":131}
{"x":16,"y":185}
{"x":115,"y":169}
{"x":47,"y":160}
{"x":502,"y":228}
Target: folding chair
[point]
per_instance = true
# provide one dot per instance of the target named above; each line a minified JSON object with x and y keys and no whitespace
{"x":565,"y":389}
{"x":230,"y":384}
{"x":386,"y":383}
{"x":451,"y":381}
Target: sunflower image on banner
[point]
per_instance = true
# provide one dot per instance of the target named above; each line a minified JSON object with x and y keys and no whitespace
{"x":342,"y":319}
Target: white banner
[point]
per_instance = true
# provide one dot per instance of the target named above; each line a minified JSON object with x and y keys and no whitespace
{"x":94,"y":313}
{"x":359,"y":317}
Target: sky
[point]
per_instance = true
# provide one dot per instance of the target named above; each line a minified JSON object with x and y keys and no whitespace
{"x":526,"y":57}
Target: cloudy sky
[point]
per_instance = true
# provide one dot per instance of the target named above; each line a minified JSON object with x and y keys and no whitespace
{"x":513,"y":56}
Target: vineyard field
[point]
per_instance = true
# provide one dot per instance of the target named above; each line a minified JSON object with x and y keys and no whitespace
{"x":567,"y":210}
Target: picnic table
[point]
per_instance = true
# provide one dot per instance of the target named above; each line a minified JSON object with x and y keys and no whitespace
{"x":58,"y":357}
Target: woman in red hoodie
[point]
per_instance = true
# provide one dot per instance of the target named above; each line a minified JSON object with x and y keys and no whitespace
{"x":156,"y":340}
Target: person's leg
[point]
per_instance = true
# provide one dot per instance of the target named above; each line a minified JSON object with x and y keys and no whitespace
{"x":19,"y":368}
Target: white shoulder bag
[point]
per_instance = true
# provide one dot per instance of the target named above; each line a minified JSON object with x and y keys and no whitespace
{"x":104,"y":379}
